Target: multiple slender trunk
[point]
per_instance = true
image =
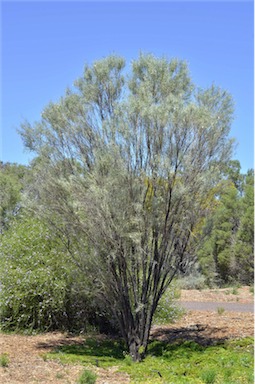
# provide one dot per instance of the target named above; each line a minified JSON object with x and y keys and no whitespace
{"x":134,"y":303}
{"x":136,"y":334}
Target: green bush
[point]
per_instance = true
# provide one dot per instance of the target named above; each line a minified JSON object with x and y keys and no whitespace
{"x":168,"y":310}
{"x":4,"y":360}
{"x":87,"y":377}
{"x":220,"y":310}
{"x":34,"y":277}
{"x":41,"y":288}
{"x":192,"y":281}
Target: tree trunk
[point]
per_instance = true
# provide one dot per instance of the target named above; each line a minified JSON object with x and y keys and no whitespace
{"x":136,"y":349}
{"x":138,"y":339}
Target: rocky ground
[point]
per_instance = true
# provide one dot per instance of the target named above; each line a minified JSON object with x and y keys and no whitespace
{"x":27,"y":365}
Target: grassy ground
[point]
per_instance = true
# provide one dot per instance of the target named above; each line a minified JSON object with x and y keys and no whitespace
{"x":230,"y":362}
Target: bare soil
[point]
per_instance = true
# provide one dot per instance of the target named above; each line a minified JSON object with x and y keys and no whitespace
{"x":241,"y":295}
{"x":27,"y":365}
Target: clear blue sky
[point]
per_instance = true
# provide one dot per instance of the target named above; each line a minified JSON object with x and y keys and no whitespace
{"x":46,"y":44}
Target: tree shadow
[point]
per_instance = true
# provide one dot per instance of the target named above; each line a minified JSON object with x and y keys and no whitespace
{"x":201,"y":334}
{"x":92,"y":347}
{"x":163,"y":340}
{"x":59,"y":343}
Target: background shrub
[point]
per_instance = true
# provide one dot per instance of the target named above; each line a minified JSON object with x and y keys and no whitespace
{"x":194,"y":280}
{"x":34,"y":276}
{"x":40,"y":286}
{"x":168,"y":311}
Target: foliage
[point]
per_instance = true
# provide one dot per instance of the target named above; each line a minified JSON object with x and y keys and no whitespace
{"x":179,"y":362}
{"x":11,"y":183}
{"x":232,"y":172}
{"x":244,"y":248}
{"x":225,"y":218}
{"x":4,"y":360}
{"x":225,"y":254}
{"x":41,"y":287}
{"x":209,"y":377}
{"x":126,"y":164}
{"x":87,"y":377}
{"x":168,"y":311}
{"x":220,"y":310}
{"x":193,"y":280}
{"x":34,"y":277}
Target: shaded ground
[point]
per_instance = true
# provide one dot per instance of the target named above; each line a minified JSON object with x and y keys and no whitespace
{"x":27,"y":365}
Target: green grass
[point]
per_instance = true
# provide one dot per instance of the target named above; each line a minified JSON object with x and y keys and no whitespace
{"x":234,"y":291}
{"x":209,"y":376}
{"x":87,"y":377}
{"x":60,"y":375}
{"x":4,"y":360}
{"x":180,"y":362}
{"x":220,"y":310}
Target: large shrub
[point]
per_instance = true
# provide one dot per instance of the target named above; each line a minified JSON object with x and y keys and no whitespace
{"x":34,"y":277}
{"x":40,"y":287}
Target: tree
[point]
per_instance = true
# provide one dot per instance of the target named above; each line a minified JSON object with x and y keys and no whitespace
{"x":226,"y":252}
{"x":232,"y":171}
{"x":125,"y":165}
{"x":244,"y":249}
{"x":216,"y":254}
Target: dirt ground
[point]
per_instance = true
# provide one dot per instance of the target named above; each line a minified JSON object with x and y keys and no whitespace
{"x":27,"y":365}
{"x":241,"y":295}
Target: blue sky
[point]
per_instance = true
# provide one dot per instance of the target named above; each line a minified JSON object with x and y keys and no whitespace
{"x":46,"y":44}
